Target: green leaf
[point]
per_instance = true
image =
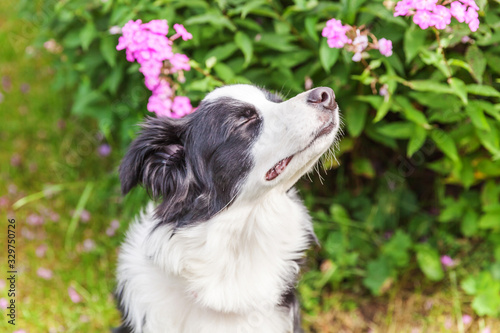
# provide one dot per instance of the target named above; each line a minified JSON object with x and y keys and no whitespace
{"x":245,"y":44}
{"x":476,"y":115}
{"x":397,"y":130}
{"x":477,"y":62}
{"x":222,"y":52}
{"x":429,"y":85}
{"x":411,"y":113}
{"x":224,"y":71}
{"x":490,"y":139}
{"x":379,"y":275}
{"x":469,"y":223}
{"x":328,"y":56}
{"x":355,"y":115}
{"x":397,"y":248}
{"x":429,"y":262}
{"x":108,"y":50}
{"x":478,"y":89}
{"x":486,"y":304}
{"x":383,"y":110}
{"x":414,"y":39}
{"x":459,"y":89}
{"x":310,"y":25}
{"x":363,"y":167}
{"x":417,"y":139}
{"x":445,"y":143}
{"x":490,"y":221}
{"x":87,"y":35}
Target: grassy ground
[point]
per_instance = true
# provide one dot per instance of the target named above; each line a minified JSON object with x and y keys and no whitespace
{"x":68,"y":200}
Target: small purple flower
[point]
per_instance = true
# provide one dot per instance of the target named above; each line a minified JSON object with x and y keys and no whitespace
{"x":447,"y":261}
{"x":466,"y":319}
{"x":110,"y":232}
{"x":85,"y":216}
{"x":357,"y":57}
{"x":34,"y":219}
{"x":4,"y":201}
{"x":28,"y":234}
{"x":19,"y":331}
{"x":88,"y":245}
{"x":487,"y":329}
{"x":25,"y":88}
{"x":104,"y":150}
{"x":3,"y":303}
{"x":179,"y":28}
{"x":385,"y":47}
{"x":40,"y":250}
{"x":1,"y":97}
{"x":115,"y":224}
{"x":44,"y":273}
{"x":15,"y":160}
{"x":73,"y":295}
{"x":115,"y":30}
{"x":84,"y":319}
{"x":6,"y":83}
{"x":2,"y":284}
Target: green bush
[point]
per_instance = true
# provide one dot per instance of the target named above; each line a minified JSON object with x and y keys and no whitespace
{"x":420,"y":167}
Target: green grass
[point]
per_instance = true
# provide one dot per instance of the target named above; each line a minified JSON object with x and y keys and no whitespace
{"x":43,"y":146}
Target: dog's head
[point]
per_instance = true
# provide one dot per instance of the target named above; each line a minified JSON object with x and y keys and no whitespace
{"x":242,"y":142}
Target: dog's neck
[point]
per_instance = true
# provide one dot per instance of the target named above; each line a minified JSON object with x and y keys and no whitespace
{"x":245,"y":256}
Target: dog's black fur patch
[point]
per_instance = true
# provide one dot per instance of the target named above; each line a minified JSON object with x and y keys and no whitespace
{"x":195,"y":164}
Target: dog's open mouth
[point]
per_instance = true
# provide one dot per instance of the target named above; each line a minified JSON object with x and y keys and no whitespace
{"x":279,"y":167}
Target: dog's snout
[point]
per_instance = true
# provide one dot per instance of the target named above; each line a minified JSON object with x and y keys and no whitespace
{"x":322,"y":96}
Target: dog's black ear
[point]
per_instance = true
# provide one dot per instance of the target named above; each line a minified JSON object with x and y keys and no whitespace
{"x":155,"y":158}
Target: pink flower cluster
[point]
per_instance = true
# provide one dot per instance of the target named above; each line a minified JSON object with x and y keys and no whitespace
{"x":337,"y":37}
{"x":148,"y":44}
{"x":433,"y":13}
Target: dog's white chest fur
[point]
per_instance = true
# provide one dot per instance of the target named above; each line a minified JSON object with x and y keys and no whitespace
{"x":228,"y":274}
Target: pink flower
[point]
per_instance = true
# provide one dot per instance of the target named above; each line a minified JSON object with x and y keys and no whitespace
{"x":19,"y":331}
{"x":44,"y":273}
{"x":470,"y":3}
{"x":73,"y":295}
{"x":360,"y":43}
{"x":335,"y":33}
{"x":356,"y":57}
{"x":180,"y":62}
{"x":2,"y":284}
{"x":3,"y":303}
{"x":88,"y":245}
{"x":474,"y":25}
{"x":115,"y":224}
{"x":34,"y":219}
{"x":384,"y":92}
{"x":466,"y":319}
{"x":442,"y":17}
{"x":425,"y":4}
{"x":447,"y":261}
{"x":181,"y":106}
{"x":160,"y":106}
{"x":487,"y":329}
{"x":104,"y":150}
{"x":423,"y":19}
{"x":458,"y":11}
{"x":385,"y":47}
{"x":40,"y":250}
{"x":179,"y":28}
{"x":404,"y":7}
{"x":157,"y":26}
{"x":85,"y":216}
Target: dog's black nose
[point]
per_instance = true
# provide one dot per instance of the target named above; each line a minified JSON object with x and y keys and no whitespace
{"x":323,"y":96}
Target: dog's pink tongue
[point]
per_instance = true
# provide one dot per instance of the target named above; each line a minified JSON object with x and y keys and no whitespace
{"x":278,"y":168}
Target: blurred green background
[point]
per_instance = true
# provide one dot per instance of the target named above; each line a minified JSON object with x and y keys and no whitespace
{"x":408,"y":218}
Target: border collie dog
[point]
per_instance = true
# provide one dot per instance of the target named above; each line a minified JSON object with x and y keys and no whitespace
{"x":220,"y":250}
